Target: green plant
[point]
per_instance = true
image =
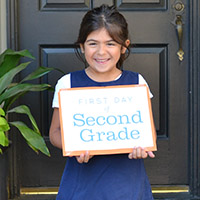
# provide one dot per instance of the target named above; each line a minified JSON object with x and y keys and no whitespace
{"x":11,"y":90}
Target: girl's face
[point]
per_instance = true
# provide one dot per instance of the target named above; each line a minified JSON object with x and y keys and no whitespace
{"x":102,"y":53}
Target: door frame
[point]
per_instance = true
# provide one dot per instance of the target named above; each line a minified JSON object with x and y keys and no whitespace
{"x":13,"y":157}
{"x":194,"y":104}
{"x":194,"y":97}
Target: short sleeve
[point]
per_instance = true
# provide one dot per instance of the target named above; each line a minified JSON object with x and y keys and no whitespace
{"x":62,"y":83}
{"x":142,"y":81}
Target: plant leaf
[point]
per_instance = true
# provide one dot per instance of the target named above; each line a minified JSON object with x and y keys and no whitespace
{"x":21,"y":88}
{"x":2,"y":113}
{"x":8,"y":102}
{"x":4,"y":126}
{"x":9,"y":63}
{"x":41,"y":71}
{"x":32,"y":147}
{"x":23,"y":109}
{"x":3,"y":139}
{"x":10,"y":59}
{"x":7,"y":78}
{"x":32,"y":137}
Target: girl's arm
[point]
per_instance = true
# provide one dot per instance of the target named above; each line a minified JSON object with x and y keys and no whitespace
{"x":55,"y":133}
{"x":55,"y":136}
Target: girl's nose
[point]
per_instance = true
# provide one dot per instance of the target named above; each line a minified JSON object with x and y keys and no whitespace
{"x":102,"y":49}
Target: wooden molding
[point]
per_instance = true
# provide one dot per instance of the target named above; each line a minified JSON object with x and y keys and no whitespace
{"x":194,"y":117}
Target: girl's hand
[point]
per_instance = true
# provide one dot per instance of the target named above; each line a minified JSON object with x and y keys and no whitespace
{"x":139,"y":153}
{"x":84,"y":157}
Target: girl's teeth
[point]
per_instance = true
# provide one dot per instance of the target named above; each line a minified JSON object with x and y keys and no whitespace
{"x":101,"y":60}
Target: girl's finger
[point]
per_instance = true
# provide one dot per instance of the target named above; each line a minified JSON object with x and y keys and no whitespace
{"x":151,"y":154}
{"x":139,"y":152}
{"x":80,"y":158}
{"x":130,"y":155}
{"x":143,"y":153}
{"x":134,"y":153}
{"x":86,"y":157}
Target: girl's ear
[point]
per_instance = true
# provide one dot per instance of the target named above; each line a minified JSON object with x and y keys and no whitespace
{"x":127,"y":43}
{"x":82,"y":48}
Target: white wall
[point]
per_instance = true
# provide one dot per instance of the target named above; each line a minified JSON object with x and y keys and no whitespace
{"x":3,"y":28}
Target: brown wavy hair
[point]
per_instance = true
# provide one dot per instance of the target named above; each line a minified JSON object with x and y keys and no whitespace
{"x":107,"y":17}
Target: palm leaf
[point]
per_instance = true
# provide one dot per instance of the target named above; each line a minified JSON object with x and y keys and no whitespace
{"x":8,"y":102}
{"x":11,"y":91}
{"x":41,"y":71}
{"x":9,"y":59}
{"x":23,"y":109}
{"x":6,"y":80}
{"x":21,"y":88}
{"x":4,"y":126}
{"x":2,"y":113}
{"x":32,"y":138}
{"x":3,"y":139}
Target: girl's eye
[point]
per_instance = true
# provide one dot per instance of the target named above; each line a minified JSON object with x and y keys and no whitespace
{"x":92,"y":44}
{"x":111,"y":44}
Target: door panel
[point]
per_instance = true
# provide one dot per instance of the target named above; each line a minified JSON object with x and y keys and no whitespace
{"x":48,"y":28}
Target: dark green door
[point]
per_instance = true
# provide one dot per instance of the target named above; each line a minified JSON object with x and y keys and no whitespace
{"x":48,"y":28}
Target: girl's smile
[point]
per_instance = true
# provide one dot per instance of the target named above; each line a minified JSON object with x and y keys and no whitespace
{"x":102,"y":54}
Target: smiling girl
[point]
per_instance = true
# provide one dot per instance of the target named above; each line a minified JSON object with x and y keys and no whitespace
{"x":104,"y":45}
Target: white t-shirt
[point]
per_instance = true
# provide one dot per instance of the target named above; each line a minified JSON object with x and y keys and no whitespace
{"x":64,"y":83}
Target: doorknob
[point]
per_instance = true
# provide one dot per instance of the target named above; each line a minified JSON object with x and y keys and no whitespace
{"x":178,"y":9}
{"x":179,"y":28}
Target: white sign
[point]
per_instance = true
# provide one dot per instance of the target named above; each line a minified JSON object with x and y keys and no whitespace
{"x":106,"y":120}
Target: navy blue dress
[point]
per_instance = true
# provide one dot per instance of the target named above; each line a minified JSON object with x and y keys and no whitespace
{"x":105,"y":177}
